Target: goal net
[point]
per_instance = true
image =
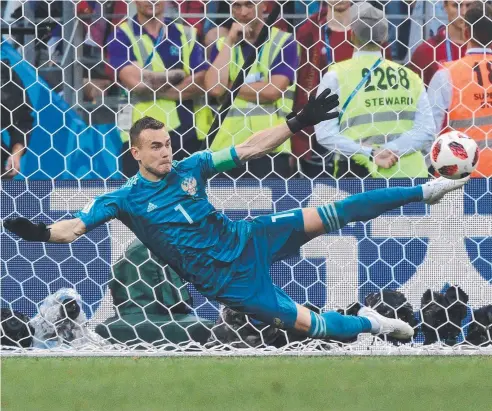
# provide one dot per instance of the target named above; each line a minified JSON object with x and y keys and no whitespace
{"x":68,"y":94}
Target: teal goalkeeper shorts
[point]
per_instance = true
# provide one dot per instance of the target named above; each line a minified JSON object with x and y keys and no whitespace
{"x":251,"y":290}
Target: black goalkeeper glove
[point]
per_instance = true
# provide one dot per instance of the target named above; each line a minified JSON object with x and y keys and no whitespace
{"x":28,"y":230}
{"x":314,"y":112}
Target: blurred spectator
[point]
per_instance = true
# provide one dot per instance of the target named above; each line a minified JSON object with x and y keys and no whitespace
{"x":307,"y":7}
{"x":385,"y":119}
{"x":446,"y":45}
{"x":217,"y":27}
{"x":268,"y":91}
{"x":95,"y":19}
{"x":99,"y":20}
{"x":163,"y":67}
{"x":462,"y":90}
{"x":325,"y":39}
{"x":426,"y":20}
{"x":17,"y":121}
{"x":37,"y":15}
{"x":286,"y":7}
{"x":398,"y":13}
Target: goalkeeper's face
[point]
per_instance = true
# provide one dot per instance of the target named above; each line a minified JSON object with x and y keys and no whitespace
{"x":154,"y":152}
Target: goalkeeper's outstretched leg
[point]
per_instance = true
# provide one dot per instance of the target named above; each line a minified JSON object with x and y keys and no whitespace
{"x":364,"y":207}
{"x":281,"y":235}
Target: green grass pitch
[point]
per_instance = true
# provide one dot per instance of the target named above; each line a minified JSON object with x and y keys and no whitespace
{"x":271,"y":383}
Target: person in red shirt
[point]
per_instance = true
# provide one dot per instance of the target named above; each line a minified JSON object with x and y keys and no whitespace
{"x":324,"y":39}
{"x":446,"y":45}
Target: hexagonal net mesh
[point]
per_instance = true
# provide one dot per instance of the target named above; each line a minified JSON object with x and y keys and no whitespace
{"x":77,"y":74}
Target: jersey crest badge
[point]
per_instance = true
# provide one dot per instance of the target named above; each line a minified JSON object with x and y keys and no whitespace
{"x":189,"y":185}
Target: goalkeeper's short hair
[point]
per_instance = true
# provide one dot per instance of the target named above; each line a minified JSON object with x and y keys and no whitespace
{"x":145,"y":123}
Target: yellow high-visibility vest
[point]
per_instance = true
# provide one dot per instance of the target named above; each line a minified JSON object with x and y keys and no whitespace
{"x":161,"y":109}
{"x":381,"y":111}
{"x":244,"y":117}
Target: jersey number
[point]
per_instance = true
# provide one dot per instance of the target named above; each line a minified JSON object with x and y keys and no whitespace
{"x":180,"y":208}
{"x":480,"y":76}
{"x":478,"y":72}
{"x":278,"y":217}
{"x":389,"y":78}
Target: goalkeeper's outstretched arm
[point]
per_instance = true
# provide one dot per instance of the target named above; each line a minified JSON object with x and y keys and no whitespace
{"x":263,"y":142}
{"x":97,"y":212}
{"x":64,"y":231}
{"x":316,"y":110}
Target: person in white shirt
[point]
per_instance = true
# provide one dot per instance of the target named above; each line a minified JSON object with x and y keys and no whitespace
{"x":385,"y":127}
{"x":461,"y":92}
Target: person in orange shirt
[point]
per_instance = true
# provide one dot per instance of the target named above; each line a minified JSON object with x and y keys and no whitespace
{"x":462,"y":90}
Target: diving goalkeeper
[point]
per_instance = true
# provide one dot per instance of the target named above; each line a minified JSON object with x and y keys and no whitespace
{"x":167,"y":208}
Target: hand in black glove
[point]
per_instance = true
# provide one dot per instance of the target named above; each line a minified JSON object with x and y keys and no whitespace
{"x":27,"y":230}
{"x":315,"y":111}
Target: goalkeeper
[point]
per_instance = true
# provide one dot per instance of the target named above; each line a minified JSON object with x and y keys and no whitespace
{"x":166,"y":206}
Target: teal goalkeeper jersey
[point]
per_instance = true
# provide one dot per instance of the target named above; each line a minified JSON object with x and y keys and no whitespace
{"x":174,"y":219}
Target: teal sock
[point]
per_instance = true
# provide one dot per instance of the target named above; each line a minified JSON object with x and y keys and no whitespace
{"x":335,"y":325}
{"x":366,"y":206}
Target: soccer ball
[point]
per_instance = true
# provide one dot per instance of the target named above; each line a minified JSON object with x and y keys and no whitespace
{"x":454,"y":155}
